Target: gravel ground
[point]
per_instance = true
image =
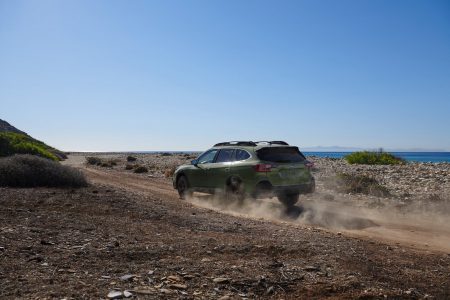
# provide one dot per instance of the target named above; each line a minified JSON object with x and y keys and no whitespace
{"x":128,"y":235}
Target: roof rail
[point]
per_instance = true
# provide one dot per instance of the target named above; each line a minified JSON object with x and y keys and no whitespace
{"x":236,"y":143}
{"x":279,"y":143}
{"x":273,"y":142}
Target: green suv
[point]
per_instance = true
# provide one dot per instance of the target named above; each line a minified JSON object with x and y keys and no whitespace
{"x":240,"y":169}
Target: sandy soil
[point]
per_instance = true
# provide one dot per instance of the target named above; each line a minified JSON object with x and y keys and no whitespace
{"x":57,"y":243}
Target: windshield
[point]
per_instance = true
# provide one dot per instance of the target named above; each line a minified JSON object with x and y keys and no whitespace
{"x":281,"y":154}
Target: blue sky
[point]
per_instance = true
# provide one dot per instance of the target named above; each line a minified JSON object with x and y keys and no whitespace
{"x":182,"y":75}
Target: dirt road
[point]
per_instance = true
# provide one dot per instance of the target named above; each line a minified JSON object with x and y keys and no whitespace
{"x":411,"y":231}
{"x":130,"y":235}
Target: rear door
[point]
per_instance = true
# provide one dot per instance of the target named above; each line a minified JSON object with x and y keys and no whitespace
{"x":288,"y":165}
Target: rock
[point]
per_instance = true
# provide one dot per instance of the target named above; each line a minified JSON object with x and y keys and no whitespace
{"x":150,"y":272}
{"x":178,"y":286}
{"x":221,"y":280}
{"x":143,"y":291}
{"x":224,"y":298}
{"x":127,"y":294}
{"x":174,"y":278}
{"x":311,"y":269}
{"x":127,"y":277}
{"x":47,"y":243}
{"x":166,"y":291}
{"x":115,"y":295}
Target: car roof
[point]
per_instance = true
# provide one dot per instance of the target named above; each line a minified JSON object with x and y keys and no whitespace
{"x":252,"y":148}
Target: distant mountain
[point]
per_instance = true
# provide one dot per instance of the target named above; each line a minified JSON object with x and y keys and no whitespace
{"x":6,"y":127}
{"x":15,"y":141}
{"x":353,"y":149}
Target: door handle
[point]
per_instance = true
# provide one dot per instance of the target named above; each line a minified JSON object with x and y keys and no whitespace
{"x":227,"y":169}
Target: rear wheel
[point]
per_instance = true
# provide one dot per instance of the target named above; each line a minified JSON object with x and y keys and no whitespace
{"x":263,"y":190}
{"x":183,"y":187}
{"x":234,"y":190}
{"x":288,"y":200}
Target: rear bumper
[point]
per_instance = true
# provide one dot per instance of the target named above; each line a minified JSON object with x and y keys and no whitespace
{"x":305,"y":188}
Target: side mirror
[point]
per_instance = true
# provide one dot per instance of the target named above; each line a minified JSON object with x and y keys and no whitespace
{"x":194,"y":162}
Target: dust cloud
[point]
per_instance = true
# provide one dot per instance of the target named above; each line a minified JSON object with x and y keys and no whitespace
{"x":311,"y":212}
{"x":427,"y":230}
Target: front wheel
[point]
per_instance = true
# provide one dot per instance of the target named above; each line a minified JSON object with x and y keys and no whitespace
{"x":288,"y":200}
{"x":183,"y":187}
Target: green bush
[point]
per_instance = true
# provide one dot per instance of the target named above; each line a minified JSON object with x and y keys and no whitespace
{"x":140,"y":169}
{"x":15,"y":143}
{"x":359,"y":184}
{"x":34,"y":171}
{"x":373,"y":158}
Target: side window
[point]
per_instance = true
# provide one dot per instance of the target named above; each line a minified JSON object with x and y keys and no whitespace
{"x":241,"y":154}
{"x":207,"y":157}
{"x":225,"y":155}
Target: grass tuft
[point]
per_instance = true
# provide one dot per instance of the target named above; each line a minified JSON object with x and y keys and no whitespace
{"x":32,"y":171}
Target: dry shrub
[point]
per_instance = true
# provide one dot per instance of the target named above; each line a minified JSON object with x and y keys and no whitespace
{"x":96,"y":161}
{"x":129,"y":167}
{"x":360,"y":184}
{"x":169,"y":172}
{"x":34,"y":171}
{"x":140,"y":169}
{"x":131,"y":158}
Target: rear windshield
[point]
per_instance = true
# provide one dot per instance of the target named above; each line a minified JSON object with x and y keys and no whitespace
{"x":281,"y":154}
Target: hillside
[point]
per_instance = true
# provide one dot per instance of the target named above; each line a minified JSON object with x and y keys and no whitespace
{"x":15,"y":141}
{"x":6,"y":127}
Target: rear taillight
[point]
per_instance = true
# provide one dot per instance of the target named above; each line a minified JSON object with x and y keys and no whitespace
{"x":263,"y":167}
{"x":309,"y":164}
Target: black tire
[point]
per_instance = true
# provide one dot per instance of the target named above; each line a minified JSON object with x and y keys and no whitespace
{"x":234,"y":190}
{"x":183,"y":187}
{"x":288,"y":200}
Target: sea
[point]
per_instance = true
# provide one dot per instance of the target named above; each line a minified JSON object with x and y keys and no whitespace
{"x":434,"y":157}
